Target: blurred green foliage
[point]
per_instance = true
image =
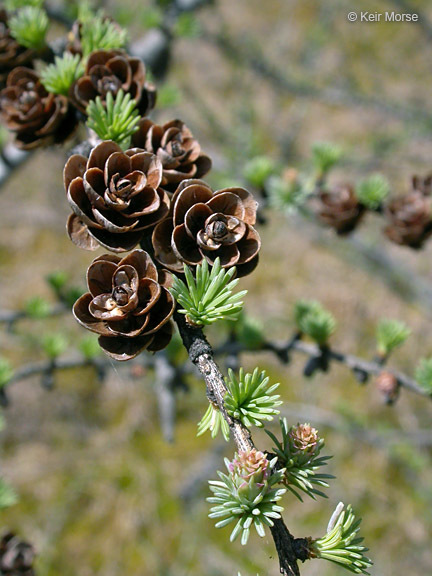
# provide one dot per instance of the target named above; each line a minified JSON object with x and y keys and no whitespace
{"x":6,"y":372}
{"x":29,"y":27}
{"x":391,"y":334}
{"x":373,"y":191}
{"x":325,"y":155}
{"x":423,"y":374}
{"x":37,"y":307}
{"x":314,"y":320}
{"x":54,"y":345}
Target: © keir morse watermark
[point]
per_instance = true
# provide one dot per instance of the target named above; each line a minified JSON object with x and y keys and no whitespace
{"x":365,"y":16}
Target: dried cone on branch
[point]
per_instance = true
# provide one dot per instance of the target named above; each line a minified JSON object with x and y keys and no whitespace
{"x":409,"y":219}
{"x":111,"y":71}
{"x":36,"y":117}
{"x":207,"y":224}
{"x":423,"y":185}
{"x":177,"y":149}
{"x":339,"y":208}
{"x":128,"y":305}
{"x":16,"y":557}
{"x":12,"y":54}
{"x":115,"y":197}
{"x":389,"y":386}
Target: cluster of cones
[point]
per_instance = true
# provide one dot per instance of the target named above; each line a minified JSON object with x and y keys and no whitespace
{"x":408,"y":217}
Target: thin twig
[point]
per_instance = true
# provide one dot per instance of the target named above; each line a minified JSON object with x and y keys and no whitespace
{"x":10,"y":317}
{"x":38,"y":368}
{"x":282,"y":349}
{"x":173,"y":375}
{"x":201,"y":354}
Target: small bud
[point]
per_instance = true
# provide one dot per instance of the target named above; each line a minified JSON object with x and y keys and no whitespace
{"x":250,"y":469}
{"x":299,"y":453}
{"x":303,"y":438}
{"x":247,"y":495}
{"x":388,"y":385}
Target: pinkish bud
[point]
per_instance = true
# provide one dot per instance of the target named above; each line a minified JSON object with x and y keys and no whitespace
{"x":303,"y":438}
{"x":250,"y":469}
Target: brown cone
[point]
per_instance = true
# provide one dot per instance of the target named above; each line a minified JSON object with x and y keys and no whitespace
{"x":115,"y":197}
{"x":12,"y":54}
{"x":423,"y":185}
{"x":409,"y":219}
{"x":339,"y":208}
{"x":388,"y":385}
{"x":128,"y":305}
{"x":174,"y":145}
{"x":36,"y":117}
{"x":16,"y":556}
{"x":207,"y":224}
{"x":110,"y":71}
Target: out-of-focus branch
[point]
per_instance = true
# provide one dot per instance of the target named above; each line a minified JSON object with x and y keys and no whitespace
{"x":38,"y":368}
{"x":47,"y":369}
{"x":10,"y":317}
{"x":171,"y":377}
{"x":248,"y":53}
{"x":322,"y":357}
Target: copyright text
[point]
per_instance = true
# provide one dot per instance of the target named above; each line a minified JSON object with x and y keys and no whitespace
{"x":382,"y":17}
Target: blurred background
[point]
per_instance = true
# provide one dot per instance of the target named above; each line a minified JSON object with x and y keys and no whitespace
{"x":101,"y":491}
